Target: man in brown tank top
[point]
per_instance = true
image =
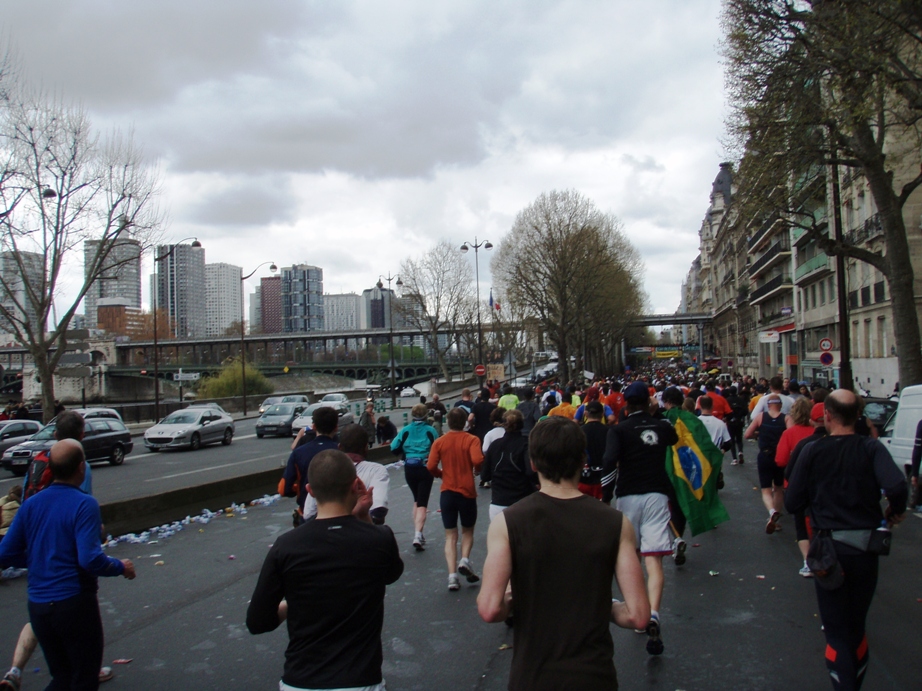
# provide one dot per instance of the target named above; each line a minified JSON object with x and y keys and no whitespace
{"x":554,"y":554}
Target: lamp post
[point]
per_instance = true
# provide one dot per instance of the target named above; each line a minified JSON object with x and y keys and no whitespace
{"x":487,"y":245}
{"x":243,"y":352}
{"x":157,"y":260}
{"x":390,"y":338}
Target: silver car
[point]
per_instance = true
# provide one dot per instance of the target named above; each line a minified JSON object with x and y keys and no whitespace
{"x":13,"y":432}
{"x":305,"y":419}
{"x":190,"y":428}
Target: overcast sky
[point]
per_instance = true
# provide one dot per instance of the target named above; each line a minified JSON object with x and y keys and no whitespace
{"x":351,"y":135}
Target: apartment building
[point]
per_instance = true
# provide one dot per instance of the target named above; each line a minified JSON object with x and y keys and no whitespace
{"x":223,"y":297}
{"x":120,"y":277}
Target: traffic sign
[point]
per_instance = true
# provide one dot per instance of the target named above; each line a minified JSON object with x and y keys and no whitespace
{"x":825,"y":344}
{"x":480,"y":370}
{"x":826,"y":359}
{"x":186,"y":376}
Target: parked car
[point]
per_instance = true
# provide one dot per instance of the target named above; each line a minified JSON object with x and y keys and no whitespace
{"x":13,"y":432}
{"x":278,"y":418}
{"x":335,"y":398}
{"x":213,"y":406}
{"x":191,"y":428}
{"x":879,"y":410}
{"x":271,"y":401}
{"x":899,"y":434}
{"x":305,"y":419}
{"x":93,"y":413}
{"x":104,"y":439}
{"x":295,"y":398}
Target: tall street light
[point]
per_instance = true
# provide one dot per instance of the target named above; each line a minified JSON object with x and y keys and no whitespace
{"x":243,"y":352}
{"x":487,"y":245}
{"x":390,"y":340}
{"x":157,"y":260}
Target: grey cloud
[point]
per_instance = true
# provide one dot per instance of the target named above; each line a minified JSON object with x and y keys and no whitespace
{"x":645,"y":165}
{"x":246,"y":202}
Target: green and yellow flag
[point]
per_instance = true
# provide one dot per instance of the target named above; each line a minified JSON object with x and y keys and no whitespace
{"x":693,"y":466}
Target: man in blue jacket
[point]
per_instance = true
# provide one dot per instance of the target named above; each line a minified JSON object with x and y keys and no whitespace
{"x":56,"y":536}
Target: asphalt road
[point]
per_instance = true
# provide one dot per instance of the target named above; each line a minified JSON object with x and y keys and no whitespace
{"x":182,"y":622}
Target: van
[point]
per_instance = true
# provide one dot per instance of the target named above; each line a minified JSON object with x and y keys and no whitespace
{"x":899,"y":433}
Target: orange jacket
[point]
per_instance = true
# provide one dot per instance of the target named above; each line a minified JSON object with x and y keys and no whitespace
{"x":565,"y":409}
{"x":460,"y":455}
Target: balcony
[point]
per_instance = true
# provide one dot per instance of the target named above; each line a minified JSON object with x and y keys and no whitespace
{"x":820,"y":265}
{"x":771,"y":287}
{"x":868,"y":230}
{"x":778,"y":252}
{"x":768,"y":229}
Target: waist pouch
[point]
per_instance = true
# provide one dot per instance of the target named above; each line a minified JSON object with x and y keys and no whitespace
{"x":415,"y":461}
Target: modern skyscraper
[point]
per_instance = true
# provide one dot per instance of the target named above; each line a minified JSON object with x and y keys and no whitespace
{"x":302,"y":298}
{"x":256,"y":311}
{"x":120,"y":278}
{"x":342,"y":312}
{"x":270,"y":304}
{"x":222,"y":297}
{"x":180,"y":288}
{"x":13,"y":294}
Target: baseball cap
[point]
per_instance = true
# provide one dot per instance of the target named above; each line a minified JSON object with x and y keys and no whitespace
{"x":817,"y":412}
{"x":637,"y":390}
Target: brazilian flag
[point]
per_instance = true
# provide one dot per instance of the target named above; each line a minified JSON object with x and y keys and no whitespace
{"x":693,"y":465}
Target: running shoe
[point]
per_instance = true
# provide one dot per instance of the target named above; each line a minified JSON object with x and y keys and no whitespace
{"x":772,"y":524}
{"x":734,"y":462}
{"x":466,"y":570}
{"x":678,"y":551}
{"x":654,"y":642}
{"x":418,"y":544}
{"x":10,"y":682}
{"x":106,"y":674}
{"x":454,"y":583}
{"x":805,"y":571}
{"x":720,"y":480}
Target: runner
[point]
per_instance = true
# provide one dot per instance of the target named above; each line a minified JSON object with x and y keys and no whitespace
{"x":769,"y":426}
{"x":414,"y":443}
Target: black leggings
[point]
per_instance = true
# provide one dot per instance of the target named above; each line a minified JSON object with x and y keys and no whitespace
{"x":843,"y":612}
{"x":419,"y":480}
{"x":70,"y":633}
{"x":736,"y":437}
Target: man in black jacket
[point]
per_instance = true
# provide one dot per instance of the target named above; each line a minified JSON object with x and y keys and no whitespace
{"x":839,"y":479}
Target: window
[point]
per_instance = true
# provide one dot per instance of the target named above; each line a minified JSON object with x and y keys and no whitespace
{"x":866,"y":341}
{"x":832,"y":289}
{"x":881,"y":347}
{"x":822,"y":292}
{"x":813,"y":296}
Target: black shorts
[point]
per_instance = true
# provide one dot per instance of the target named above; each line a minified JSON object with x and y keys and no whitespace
{"x":454,"y":504}
{"x":419,"y":480}
{"x":769,"y":471}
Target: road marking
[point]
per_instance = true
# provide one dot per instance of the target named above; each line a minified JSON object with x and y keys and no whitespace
{"x":157,"y":453}
{"x":215,"y":467}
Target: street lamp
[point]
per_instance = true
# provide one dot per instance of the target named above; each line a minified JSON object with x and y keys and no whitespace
{"x":157,"y":260}
{"x":243,"y":353}
{"x":487,"y":245}
{"x":390,"y":339}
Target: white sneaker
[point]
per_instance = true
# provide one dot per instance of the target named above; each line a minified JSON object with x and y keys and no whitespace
{"x":678,"y":551}
{"x":805,"y":571}
{"x":454,"y":583}
{"x":466,"y":570}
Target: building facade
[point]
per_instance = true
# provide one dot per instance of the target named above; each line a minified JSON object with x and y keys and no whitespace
{"x":120,"y":277}
{"x":343,"y":312}
{"x":223,"y":297}
{"x":270,"y":304}
{"x":13,"y":295}
{"x":302,"y":298}
{"x":179,"y":288}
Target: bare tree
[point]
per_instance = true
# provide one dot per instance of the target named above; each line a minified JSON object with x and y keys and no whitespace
{"x":822,"y":87}
{"x":570,"y":266}
{"x":436,"y":284}
{"x":62,"y":184}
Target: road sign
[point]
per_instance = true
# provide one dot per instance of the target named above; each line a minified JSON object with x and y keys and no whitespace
{"x":826,"y":359}
{"x":186,"y":376}
{"x":480,"y":370}
{"x":74,"y":372}
{"x":75,"y":359}
{"x":769,"y":336}
{"x":825,"y":344}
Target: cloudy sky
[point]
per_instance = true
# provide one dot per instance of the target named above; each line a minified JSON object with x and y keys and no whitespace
{"x":353,"y":134}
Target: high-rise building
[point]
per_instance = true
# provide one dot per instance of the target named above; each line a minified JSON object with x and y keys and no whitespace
{"x":180,"y":288}
{"x":256,"y":320}
{"x":13,"y":294}
{"x":222,"y":297}
{"x":302,"y":298}
{"x":342,"y":312}
{"x":270,"y":304}
{"x":120,"y":277}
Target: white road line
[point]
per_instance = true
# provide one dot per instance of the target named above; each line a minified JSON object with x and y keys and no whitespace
{"x":215,"y":467}
{"x":157,"y":453}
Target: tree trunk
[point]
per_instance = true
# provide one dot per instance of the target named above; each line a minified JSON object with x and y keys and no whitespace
{"x":46,"y":374}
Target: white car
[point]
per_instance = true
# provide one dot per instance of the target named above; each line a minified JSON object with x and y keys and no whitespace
{"x":408,"y":392}
{"x":306,"y":419}
{"x":333,"y":398}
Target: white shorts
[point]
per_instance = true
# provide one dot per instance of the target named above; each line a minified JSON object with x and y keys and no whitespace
{"x":649,"y":514}
{"x":496,"y":510}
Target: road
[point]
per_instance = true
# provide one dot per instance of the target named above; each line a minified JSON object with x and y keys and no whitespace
{"x":182,"y":622}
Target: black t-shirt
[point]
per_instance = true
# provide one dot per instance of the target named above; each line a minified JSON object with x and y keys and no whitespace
{"x":638,"y":447}
{"x":333,"y":573}
{"x":508,"y":467}
{"x":482,"y":424}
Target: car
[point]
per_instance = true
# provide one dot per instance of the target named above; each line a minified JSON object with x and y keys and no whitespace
{"x":191,"y":428}
{"x":213,"y":406}
{"x":93,"y":413}
{"x":272,"y":400}
{"x":13,"y":432}
{"x":899,"y":434}
{"x":104,"y":439}
{"x":296,"y":398}
{"x":278,"y":418}
{"x":335,"y":398}
{"x":305,"y":419}
{"x":408,"y":392}
{"x":879,"y":410}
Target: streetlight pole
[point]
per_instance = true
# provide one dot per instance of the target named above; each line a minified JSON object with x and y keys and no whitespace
{"x":465,"y":246}
{"x":390,"y":337}
{"x":243,"y":352}
{"x":157,"y":260}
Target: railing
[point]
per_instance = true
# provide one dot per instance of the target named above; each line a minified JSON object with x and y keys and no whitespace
{"x":770,"y":254}
{"x":868,"y":230}
{"x":762,"y":232}
{"x":770,"y":286}
{"x":820,"y":261}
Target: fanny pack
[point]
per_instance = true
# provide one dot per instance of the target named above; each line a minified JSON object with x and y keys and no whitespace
{"x":415,"y":461}
{"x":870,"y":541}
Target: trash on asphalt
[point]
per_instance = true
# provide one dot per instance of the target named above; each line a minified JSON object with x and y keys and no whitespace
{"x":713,"y":573}
{"x":158,"y":563}
{"x":760,"y":577}
{"x":122,"y":661}
{"x":232,"y":557}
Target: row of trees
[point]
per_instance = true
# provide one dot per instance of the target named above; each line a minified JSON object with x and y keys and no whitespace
{"x":565,"y":270}
{"x":61,"y":184}
{"x":821,"y":90}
